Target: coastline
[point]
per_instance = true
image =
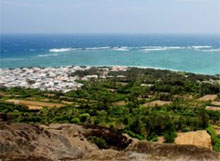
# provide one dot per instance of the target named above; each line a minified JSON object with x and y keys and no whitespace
{"x":67,"y":78}
{"x":100,"y":66}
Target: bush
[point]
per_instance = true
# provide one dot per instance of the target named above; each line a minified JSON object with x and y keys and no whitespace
{"x":100,"y":142}
{"x":153,"y":137}
{"x":61,"y":119}
{"x":75,"y":120}
{"x":204,"y":118}
{"x":130,"y":133}
{"x":155,"y":124}
{"x":6,"y":107}
{"x":214,"y":137}
{"x":31,"y":119}
{"x":83,"y":117}
{"x":170,"y":136}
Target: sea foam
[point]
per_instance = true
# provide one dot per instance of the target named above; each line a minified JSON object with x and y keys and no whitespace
{"x":99,"y":48}
{"x":141,"y":48}
{"x":120,"y":48}
{"x":162,"y":48}
{"x":201,"y":47}
{"x":61,"y":50}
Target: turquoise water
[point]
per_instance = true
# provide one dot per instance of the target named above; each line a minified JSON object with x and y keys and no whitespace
{"x":197,"y":55}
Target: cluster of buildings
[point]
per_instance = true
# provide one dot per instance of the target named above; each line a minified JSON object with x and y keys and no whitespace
{"x":46,"y":79}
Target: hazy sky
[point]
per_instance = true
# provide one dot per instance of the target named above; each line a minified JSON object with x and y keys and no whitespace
{"x":110,"y":16}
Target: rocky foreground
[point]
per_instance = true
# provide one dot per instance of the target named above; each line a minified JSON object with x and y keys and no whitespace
{"x":69,"y":142}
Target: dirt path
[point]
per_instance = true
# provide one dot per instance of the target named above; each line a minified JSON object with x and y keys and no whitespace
{"x":119,"y":103}
{"x":210,"y":97}
{"x":213,"y":108}
{"x":157,"y":103}
{"x":216,"y":103}
{"x":217,"y":131}
{"x":34,"y":104}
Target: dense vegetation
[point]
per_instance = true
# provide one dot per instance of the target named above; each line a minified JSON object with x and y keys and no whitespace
{"x":139,"y":122}
{"x":119,"y":102}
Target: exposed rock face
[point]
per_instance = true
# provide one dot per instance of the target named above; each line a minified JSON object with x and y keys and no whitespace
{"x":198,"y":138}
{"x":66,"y":142}
{"x":32,"y":140}
{"x":157,"y":151}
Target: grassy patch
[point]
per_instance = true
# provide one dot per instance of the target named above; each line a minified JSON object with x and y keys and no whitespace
{"x":214,"y":137}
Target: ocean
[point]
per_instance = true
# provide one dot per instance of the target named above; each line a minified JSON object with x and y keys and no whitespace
{"x":190,"y":53}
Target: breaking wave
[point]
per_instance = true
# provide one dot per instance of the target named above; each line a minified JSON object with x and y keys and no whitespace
{"x":120,"y":48}
{"x":162,"y":48}
{"x":201,"y":47}
{"x":141,"y":48}
{"x":99,"y":48}
{"x":55,"y":50}
{"x":109,"y":48}
{"x":61,"y":50}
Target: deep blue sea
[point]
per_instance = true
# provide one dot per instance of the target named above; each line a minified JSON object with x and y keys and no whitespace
{"x":191,"y":53}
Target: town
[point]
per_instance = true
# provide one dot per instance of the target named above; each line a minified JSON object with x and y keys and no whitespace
{"x":49,"y":78}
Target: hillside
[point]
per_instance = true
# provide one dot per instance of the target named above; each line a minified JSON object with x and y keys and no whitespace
{"x":130,"y":113}
{"x":70,"y":142}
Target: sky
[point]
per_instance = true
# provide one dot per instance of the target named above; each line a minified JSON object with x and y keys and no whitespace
{"x":110,"y":16}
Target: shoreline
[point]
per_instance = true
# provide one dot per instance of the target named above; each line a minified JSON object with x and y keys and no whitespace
{"x":66,"y":78}
{"x":103,"y":66}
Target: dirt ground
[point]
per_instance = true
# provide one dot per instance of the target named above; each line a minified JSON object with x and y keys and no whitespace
{"x":216,"y":103}
{"x":161,"y":139}
{"x":199,"y":138}
{"x":34,"y":104}
{"x":213,"y":108}
{"x":67,"y":102}
{"x":217,"y":131}
{"x":119,"y":103}
{"x":121,"y":83}
{"x":210,"y":97}
{"x":157,"y":103}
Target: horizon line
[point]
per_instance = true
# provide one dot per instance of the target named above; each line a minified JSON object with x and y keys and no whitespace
{"x":105,"y":33}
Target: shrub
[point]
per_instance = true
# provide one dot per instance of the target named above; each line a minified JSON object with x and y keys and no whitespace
{"x":83,"y":117}
{"x":154,"y":123}
{"x":61,"y":119}
{"x":214,"y":137}
{"x":152,"y":137}
{"x":204,"y":118}
{"x":6,"y":107}
{"x":170,"y":136}
{"x":75,"y":120}
{"x":100,"y":142}
{"x":130,"y":133}
{"x":31,"y":119}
